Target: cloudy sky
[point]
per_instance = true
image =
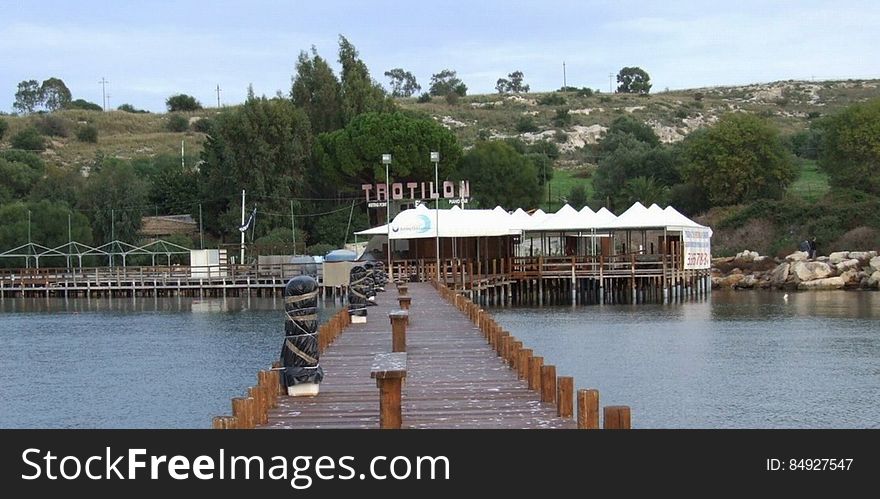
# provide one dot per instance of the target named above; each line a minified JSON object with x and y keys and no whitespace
{"x":153,"y":49}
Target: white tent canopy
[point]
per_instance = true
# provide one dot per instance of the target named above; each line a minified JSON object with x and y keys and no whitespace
{"x":422,"y":222}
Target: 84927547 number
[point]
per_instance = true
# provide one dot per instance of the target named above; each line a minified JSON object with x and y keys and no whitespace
{"x":820,"y":464}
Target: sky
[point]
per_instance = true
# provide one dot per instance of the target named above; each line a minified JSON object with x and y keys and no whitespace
{"x":150,"y":50}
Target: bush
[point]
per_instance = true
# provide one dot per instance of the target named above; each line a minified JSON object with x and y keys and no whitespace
{"x":29,"y":139}
{"x":483,"y":134}
{"x":560,"y":136}
{"x":568,"y":89}
{"x":128,"y":108}
{"x":84,"y":105}
{"x":182,"y":102}
{"x":553,"y":99}
{"x":562,"y":118}
{"x":585,"y":92}
{"x":177,"y":123}
{"x":320,"y":249}
{"x":202,"y":125}
{"x":88,"y":133}
{"x":681,"y":113}
{"x":3,"y":127}
{"x":452,"y":98}
{"x":605,"y":98}
{"x":525,"y":124}
{"x":425,"y":97}
{"x":698,"y":96}
{"x":53,"y":126}
{"x":861,"y":238}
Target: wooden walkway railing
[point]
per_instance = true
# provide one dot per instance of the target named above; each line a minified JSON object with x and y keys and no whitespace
{"x":462,"y":370}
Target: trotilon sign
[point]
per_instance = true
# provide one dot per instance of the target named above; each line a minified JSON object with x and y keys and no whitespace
{"x":417,"y":190}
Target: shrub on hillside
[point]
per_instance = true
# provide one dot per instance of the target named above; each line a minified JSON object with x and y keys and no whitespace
{"x":182,"y":102}
{"x":425,"y":97}
{"x":3,"y":127}
{"x":53,"y":126}
{"x":553,"y":99}
{"x":585,"y":92}
{"x":562,"y":117}
{"x":861,"y":238}
{"x":88,"y":133}
{"x":177,"y":123}
{"x":84,"y":105}
{"x":202,"y":125}
{"x":29,"y":139}
{"x":128,"y":108}
{"x":525,"y":124}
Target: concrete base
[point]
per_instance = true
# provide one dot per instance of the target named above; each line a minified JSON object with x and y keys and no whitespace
{"x":358,"y":319}
{"x":303,"y":390}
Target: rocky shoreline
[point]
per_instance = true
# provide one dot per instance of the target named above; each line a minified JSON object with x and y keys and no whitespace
{"x":839,"y":270}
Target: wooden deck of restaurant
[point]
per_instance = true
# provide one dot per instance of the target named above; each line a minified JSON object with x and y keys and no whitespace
{"x":462,"y":371}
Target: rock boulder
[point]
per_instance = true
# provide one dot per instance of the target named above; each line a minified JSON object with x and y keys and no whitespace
{"x":827,"y":283}
{"x":809,"y":271}
{"x":875,"y":263}
{"x":838,"y":257}
{"x":797,"y":256}
{"x":874,"y":280}
{"x":847,"y":265}
{"x":780,"y":274}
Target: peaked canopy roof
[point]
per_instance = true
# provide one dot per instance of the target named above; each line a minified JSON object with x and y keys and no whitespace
{"x":423,"y":222}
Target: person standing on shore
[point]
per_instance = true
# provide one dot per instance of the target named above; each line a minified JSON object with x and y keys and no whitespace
{"x":813,"y":248}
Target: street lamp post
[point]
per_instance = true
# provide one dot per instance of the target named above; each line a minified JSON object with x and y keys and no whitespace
{"x":435,"y":158}
{"x":386,"y":160}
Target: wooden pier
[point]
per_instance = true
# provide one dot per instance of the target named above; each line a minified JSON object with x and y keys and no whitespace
{"x":173,"y":280}
{"x":459,"y":369}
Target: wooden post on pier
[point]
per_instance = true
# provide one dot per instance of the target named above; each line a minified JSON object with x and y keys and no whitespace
{"x":548,"y":384}
{"x":564,"y":396}
{"x":522,"y":363}
{"x":588,"y":409}
{"x":389,"y":371}
{"x":404,"y":302}
{"x":617,"y":417}
{"x":535,"y":364}
{"x":398,"y":330}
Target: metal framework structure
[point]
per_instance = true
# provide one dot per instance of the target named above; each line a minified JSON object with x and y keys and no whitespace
{"x":32,"y":252}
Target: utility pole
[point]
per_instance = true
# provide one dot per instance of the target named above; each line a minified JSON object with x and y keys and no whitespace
{"x":201,"y":234}
{"x":610,"y":84}
{"x":564,"y":82}
{"x":292,"y":228}
{"x":104,"y":83}
{"x":241,"y":254}
{"x":218,"y":96}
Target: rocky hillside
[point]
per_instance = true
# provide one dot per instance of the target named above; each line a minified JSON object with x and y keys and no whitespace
{"x":571,"y":119}
{"x":672,"y":115}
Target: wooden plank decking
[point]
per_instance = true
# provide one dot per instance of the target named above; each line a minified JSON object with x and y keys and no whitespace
{"x":454,"y":378}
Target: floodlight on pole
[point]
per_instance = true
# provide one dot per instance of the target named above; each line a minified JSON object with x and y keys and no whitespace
{"x":435,"y":158}
{"x":386,"y":160}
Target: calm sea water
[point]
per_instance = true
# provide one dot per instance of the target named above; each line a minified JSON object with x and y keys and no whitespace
{"x":744,"y":360}
{"x":123,"y":363}
{"x":739,"y":360}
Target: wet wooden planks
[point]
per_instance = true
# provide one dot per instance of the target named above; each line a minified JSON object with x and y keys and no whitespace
{"x":454,"y":379}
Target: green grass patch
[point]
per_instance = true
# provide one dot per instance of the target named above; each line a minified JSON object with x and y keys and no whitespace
{"x":560,"y":186}
{"x":811,"y":183}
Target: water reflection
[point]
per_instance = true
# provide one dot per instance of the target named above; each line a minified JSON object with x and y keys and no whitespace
{"x":739,"y":360}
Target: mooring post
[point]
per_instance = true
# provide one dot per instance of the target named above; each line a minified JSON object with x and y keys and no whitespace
{"x":398,"y":330}
{"x":404,"y":302}
{"x":564,"y":396}
{"x":588,"y":409}
{"x":522,"y":363}
{"x":548,"y":384}
{"x":389,"y":371}
{"x":535,"y":364}
{"x":617,"y":417}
